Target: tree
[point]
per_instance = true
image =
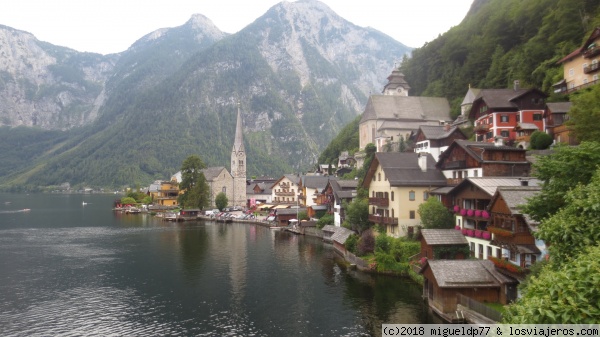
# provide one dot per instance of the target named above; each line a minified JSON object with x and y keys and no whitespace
{"x":128,"y":201}
{"x":559,"y":172}
{"x":366,"y":243}
{"x":221,"y":201}
{"x":435,"y":215}
{"x":194,"y":191}
{"x":569,"y":295}
{"x":585,"y":113}
{"x":357,"y":215}
{"x":325,"y":220}
{"x":540,"y":140}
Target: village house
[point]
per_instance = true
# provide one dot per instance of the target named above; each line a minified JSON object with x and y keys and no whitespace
{"x":258,"y":193}
{"x":218,"y":180}
{"x":443,"y":244}
{"x":465,"y":159}
{"x":447,"y":282}
{"x":312,"y":186}
{"x":471,"y":204}
{"x":556,"y":123}
{"x":287,"y":190}
{"x":496,"y":113}
{"x":335,"y":194}
{"x":398,"y":182}
{"x":513,"y":231}
{"x":580,"y":67}
{"x":435,"y":139}
{"x":164,"y":193}
{"x":394,"y":114}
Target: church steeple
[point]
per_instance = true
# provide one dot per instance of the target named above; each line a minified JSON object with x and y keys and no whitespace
{"x":238,"y":163}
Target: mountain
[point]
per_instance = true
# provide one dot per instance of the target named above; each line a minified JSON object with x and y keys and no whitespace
{"x":501,"y":41}
{"x":299,"y":73}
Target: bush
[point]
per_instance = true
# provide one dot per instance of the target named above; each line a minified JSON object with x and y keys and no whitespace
{"x":540,"y":140}
{"x":366,"y":244}
{"x":326,"y":219}
{"x":351,"y":243}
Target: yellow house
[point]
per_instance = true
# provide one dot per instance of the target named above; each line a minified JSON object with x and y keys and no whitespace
{"x":581,"y":67}
{"x":398,"y":182}
{"x":166,"y":194}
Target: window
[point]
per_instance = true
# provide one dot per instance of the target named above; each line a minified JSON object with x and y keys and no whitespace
{"x":472,"y":248}
{"x":411,"y":196}
{"x":489,"y":251}
{"x":465,"y":174}
{"x":475,"y":173}
{"x":504,"y":118}
{"x":513,"y":255}
{"x":224,"y":190}
{"x":504,"y":133}
{"x":518,"y":118}
{"x":379,"y":176}
{"x":498,"y":253}
{"x":571,"y":72}
{"x":480,"y":250}
{"x":392,"y":194}
{"x":537,"y":117}
{"x":411,"y":214}
{"x":425,"y":195}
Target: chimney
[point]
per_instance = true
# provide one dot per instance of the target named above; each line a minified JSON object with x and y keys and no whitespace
{"x":447,"y":127}
{"x":524,"y":182}
{"x":517,"y":85}
{"x":422,"y":160}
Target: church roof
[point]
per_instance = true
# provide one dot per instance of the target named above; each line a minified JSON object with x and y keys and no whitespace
{"x":211,"y":173}
{"x":393,"y":107}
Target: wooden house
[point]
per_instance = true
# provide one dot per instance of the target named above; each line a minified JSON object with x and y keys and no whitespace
{"x":496,"y":112}
{"x":445,"y":280}
{"x":443,"y":244}
{"x":557,"y":126}
{"x":339,"y":239}
{"x":513,"y":231}
{"x":465,"y":159}
{"x":435,"y":139}
{"x":334,"y":195}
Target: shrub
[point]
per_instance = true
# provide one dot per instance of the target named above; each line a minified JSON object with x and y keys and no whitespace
{"x":366,"y":244}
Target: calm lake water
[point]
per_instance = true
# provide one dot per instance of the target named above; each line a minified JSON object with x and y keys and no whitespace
{"x":68,"y":269}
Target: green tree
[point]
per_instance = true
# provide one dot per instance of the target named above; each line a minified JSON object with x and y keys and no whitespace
{"x":357,"y":215}
{"x":559,"y":172}
{"x":435,"y":215}
{"x":540,"y":140}
{"x":569,"y":295}
{"x":221,"y":201}
{"x":575,"y":226}
{"x":585,"y":113}
{"x":195,"y":190}
{"x":128,"y":201}
{"x":325,"y":220}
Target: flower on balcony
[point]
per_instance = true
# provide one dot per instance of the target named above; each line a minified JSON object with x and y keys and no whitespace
{"x":463,"y":212}
{"x":470,"y":232}
{"x":457,"y":227}
{"x":477,"y":213}
{"x":500,"y":231}
{"x":478,"y":233}
{"x":500,"y":263}
{"x":485,"y":214}
{"x":470,"y":212}
{"x":464,"y":231}
{"x":456,"y":209}
{"x":486,"y":235}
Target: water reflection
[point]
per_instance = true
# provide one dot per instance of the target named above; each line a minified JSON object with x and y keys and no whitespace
{"x":95,"y":272}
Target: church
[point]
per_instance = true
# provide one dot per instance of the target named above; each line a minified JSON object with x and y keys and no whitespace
{"x":394,"y":113}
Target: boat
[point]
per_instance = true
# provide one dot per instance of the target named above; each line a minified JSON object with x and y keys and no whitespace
{"x":132,"y":210}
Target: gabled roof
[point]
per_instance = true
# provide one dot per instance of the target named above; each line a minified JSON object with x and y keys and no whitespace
{"x":394,"y":107}
{"x":559,"y":107}
{"x":317,"y":182}
{"x":593,"y":36}
{"x":470,"y":96}
{"x":490,"y":184}
{"x":515,"y":198}
{"x":472,"y":149}
{"x":438,"y":131}
{"x":436,"y":237}
{"x":291,"y":177}
{"x":341,"y":235}
{"x":402,"y":169}
{"x":211,"y":173}
{"x":502,"y":99}
{"x":466,"y":274}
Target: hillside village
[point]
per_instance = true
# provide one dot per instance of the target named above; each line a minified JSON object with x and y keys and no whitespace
{"x":484,"y":181}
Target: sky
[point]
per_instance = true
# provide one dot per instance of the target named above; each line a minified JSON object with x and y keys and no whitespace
{"x":111,"y":26}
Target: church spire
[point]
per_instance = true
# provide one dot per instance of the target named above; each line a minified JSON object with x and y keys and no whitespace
{"x":238,"y":144}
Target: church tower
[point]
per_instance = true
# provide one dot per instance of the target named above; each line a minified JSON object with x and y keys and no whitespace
{"x":238,"y":164}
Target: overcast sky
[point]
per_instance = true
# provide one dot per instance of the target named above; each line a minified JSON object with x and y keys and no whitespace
{"x":111,"y":26}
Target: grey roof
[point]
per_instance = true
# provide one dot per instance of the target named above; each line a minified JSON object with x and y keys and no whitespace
{"x":501,"y":98}
{"x":211,"y":173}
{"x":266,"y":188}
{"x":516,"y":197}
{"x":329,"y":228}
{"x":437,"y":131}
{"x":475,"y":150}
{"x":442,"y":190}
{"x":490,"y":184}
{"x":346,"y":194}
{"x":472,"y":93}
{"x":318,"y":182}
{"x":559,"y":107}
{"x":466,"y":273}
{"x":435,"y":237}
{"x":394,"y":107}
{"x":526,"y":126}
{"x":402,"y":169}
{"x":341,"y":235}
{"x":348,"y":184}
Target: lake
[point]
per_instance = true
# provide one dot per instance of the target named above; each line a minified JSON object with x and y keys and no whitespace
{"x":73,"y":269}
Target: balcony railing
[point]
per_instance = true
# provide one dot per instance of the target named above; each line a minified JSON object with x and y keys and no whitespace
{"x":291,"y":194}
{"x":457,"y":164}
{"x":381,"y":202}
{"x":383,"y":219}
{"x":591,"y":68}
{"x":481,"y":128}
{"x":591,"y":52}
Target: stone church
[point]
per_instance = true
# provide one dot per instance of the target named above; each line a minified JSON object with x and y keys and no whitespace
{"x":394,"y":113}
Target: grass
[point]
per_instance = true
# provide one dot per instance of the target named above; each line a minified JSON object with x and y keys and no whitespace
{"x":497,"y":306}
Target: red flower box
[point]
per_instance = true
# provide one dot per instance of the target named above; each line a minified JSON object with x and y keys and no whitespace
{"x":485,"y":214}
{"x":478,"y":233}
{"x":456,"y":209}
{"x":470,"y":232}
{"x":477,"y":213}
{"x":486,"y":235}
{"x":464,"y":231}
{"x":463,"y":212}
{"x":470,"y":212}
{"x":457,"y":227}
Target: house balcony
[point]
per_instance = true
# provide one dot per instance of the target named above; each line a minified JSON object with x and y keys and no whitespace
{"x":384,"y":220}
{"x":525,"y":138}
{"x":285,"y":194}
{"x":477,"y":233}
{"x":455,"y":165}
{"x":591,"y":52}
{"x":381,"y":202}
{"x":594,"y":67}
{"x":481,"y":128}
{"x":454,"y":181}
